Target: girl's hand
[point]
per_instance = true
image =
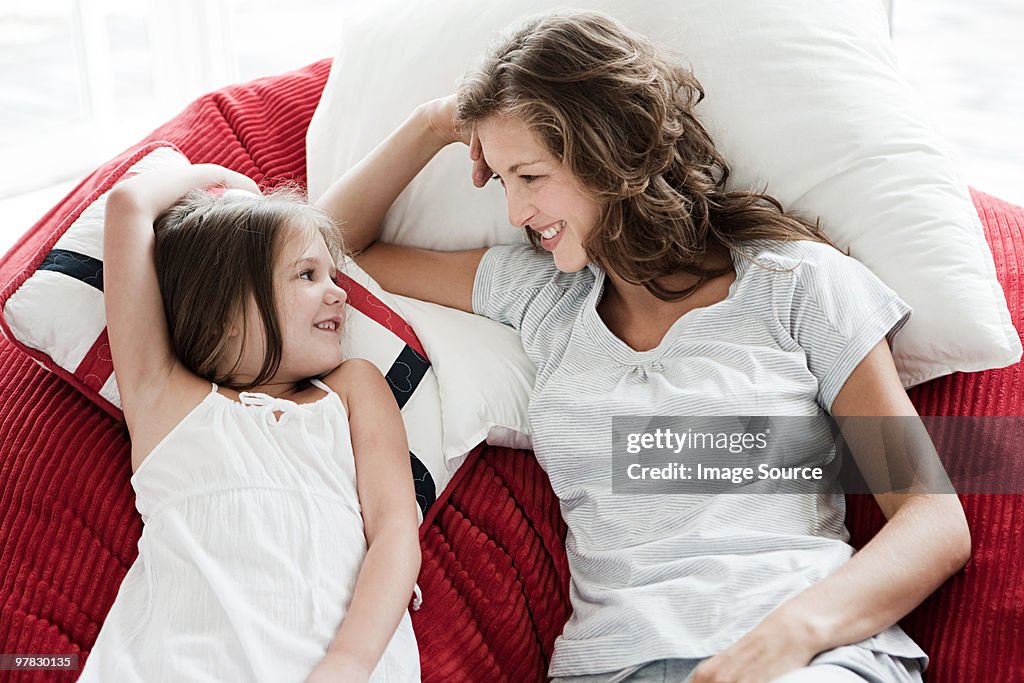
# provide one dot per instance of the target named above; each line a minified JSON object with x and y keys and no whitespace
{"x":765,"y":653}
{"x":339,"y":667}
{"x":440,"y":115}
{"x":156,"y":191}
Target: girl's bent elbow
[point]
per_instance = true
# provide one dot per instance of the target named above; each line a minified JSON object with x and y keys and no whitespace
{"x":121,"y":202}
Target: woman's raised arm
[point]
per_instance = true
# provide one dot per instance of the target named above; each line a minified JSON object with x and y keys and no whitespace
{"x":359,"y":200}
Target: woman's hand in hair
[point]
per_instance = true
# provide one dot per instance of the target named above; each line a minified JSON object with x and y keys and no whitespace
{"x":441,"y":119}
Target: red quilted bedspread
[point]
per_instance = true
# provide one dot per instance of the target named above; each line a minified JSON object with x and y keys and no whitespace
{"x":494,"y":575}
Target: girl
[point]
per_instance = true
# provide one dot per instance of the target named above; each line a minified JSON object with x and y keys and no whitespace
{"x":657,"y":292}
{"x":280,"y":539}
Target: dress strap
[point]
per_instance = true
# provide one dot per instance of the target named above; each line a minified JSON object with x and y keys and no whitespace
{"x":320,"y":385}
{"x":417,"y":597}
{"x":214,"y":389}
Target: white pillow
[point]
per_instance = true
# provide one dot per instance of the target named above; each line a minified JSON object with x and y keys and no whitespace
{"x":483,"y":375}
{"x":803,"y":95}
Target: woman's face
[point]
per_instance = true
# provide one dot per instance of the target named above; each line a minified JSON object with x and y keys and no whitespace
{"x":542,"y":194}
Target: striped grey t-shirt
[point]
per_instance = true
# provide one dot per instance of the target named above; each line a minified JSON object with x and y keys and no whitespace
{"x":685,"y":576}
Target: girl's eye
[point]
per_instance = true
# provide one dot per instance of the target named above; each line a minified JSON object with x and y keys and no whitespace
{"x":306,"y":275}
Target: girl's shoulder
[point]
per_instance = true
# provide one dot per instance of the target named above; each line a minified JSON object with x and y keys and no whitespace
{"x":355,"y":375}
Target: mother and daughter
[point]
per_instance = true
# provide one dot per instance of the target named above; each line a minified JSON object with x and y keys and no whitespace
{"x":280,"y":535}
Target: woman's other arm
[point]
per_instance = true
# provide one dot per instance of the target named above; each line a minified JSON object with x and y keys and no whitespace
{"x":924,"y":542}
{"x":359,"y":200}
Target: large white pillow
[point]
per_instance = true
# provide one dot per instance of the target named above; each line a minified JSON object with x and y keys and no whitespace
{"x":803,"y":96}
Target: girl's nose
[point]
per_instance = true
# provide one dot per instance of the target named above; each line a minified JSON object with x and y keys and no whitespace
{"x":336,"y":294}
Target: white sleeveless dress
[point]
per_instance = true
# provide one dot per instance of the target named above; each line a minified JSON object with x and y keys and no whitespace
{"x":248,"y":559}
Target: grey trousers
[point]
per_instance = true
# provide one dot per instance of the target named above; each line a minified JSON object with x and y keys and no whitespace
{"x":848,"y":664}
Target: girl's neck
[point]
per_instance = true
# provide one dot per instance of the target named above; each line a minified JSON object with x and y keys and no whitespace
{"x":279,"y":388}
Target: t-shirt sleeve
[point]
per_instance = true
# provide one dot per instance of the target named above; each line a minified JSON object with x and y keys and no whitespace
{"x":840,"y":311}
{"x":509,"y":280}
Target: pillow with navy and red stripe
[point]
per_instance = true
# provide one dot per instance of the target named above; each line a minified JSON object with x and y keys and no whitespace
{"x":56,"y":315}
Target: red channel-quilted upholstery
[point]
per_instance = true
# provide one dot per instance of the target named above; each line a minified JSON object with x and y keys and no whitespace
{"x":494,"y":575}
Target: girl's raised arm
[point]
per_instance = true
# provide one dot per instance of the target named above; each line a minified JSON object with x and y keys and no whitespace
{"x":140,"y":343}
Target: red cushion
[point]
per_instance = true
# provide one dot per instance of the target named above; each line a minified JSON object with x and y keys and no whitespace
{"x":494,"y":573}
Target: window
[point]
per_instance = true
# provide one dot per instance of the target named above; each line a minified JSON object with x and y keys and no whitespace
{"x":80,"y":80}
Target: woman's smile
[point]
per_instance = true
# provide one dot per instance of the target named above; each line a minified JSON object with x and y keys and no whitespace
{"x":551,"y":235}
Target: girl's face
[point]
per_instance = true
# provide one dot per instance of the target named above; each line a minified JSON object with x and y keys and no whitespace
{"x":310,"y":308}
{"x":542,"y":194}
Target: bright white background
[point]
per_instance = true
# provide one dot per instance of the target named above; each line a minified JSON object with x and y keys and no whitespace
{"x":81,"y":80}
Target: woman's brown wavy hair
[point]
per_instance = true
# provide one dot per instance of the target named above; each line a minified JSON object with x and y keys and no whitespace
{"x":619,"y":114}
{"x":212,"y":253}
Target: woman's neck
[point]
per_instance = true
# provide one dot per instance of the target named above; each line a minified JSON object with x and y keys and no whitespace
{"x":641,"y":320}
{"x":635,"y":299}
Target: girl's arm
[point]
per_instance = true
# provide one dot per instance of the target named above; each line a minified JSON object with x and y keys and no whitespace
{"x":924,"y":542}
{"x":385,"y":583}
{"x":359,"y":200}
{"x":140,"y":342}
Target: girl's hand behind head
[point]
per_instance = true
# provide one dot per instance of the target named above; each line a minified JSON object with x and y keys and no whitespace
{"x":156,"y":191}
{"x":218,"y":179}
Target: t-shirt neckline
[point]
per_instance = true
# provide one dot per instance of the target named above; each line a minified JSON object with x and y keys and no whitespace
{"x":623,"y":352}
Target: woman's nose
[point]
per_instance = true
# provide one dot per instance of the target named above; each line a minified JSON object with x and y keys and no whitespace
{"x":520,"y":211}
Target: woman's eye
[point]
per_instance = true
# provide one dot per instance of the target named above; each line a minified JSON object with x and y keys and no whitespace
{"x":529,"y":178}
{"x":498,"y":178}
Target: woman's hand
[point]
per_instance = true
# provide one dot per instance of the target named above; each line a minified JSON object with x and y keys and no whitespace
{"x":440,"y":115}
{"x":770,"y":650}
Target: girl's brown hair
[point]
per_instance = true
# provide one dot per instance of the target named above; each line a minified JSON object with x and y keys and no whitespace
{"x":213,"y":252}
{"x":620,"y":116}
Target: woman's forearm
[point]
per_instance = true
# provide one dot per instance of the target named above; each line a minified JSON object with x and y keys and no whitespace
{"x":359,"y":199}
{"x":924,"y":543}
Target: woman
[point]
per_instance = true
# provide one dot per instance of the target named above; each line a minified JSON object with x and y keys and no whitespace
{"x":663,"y":294}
